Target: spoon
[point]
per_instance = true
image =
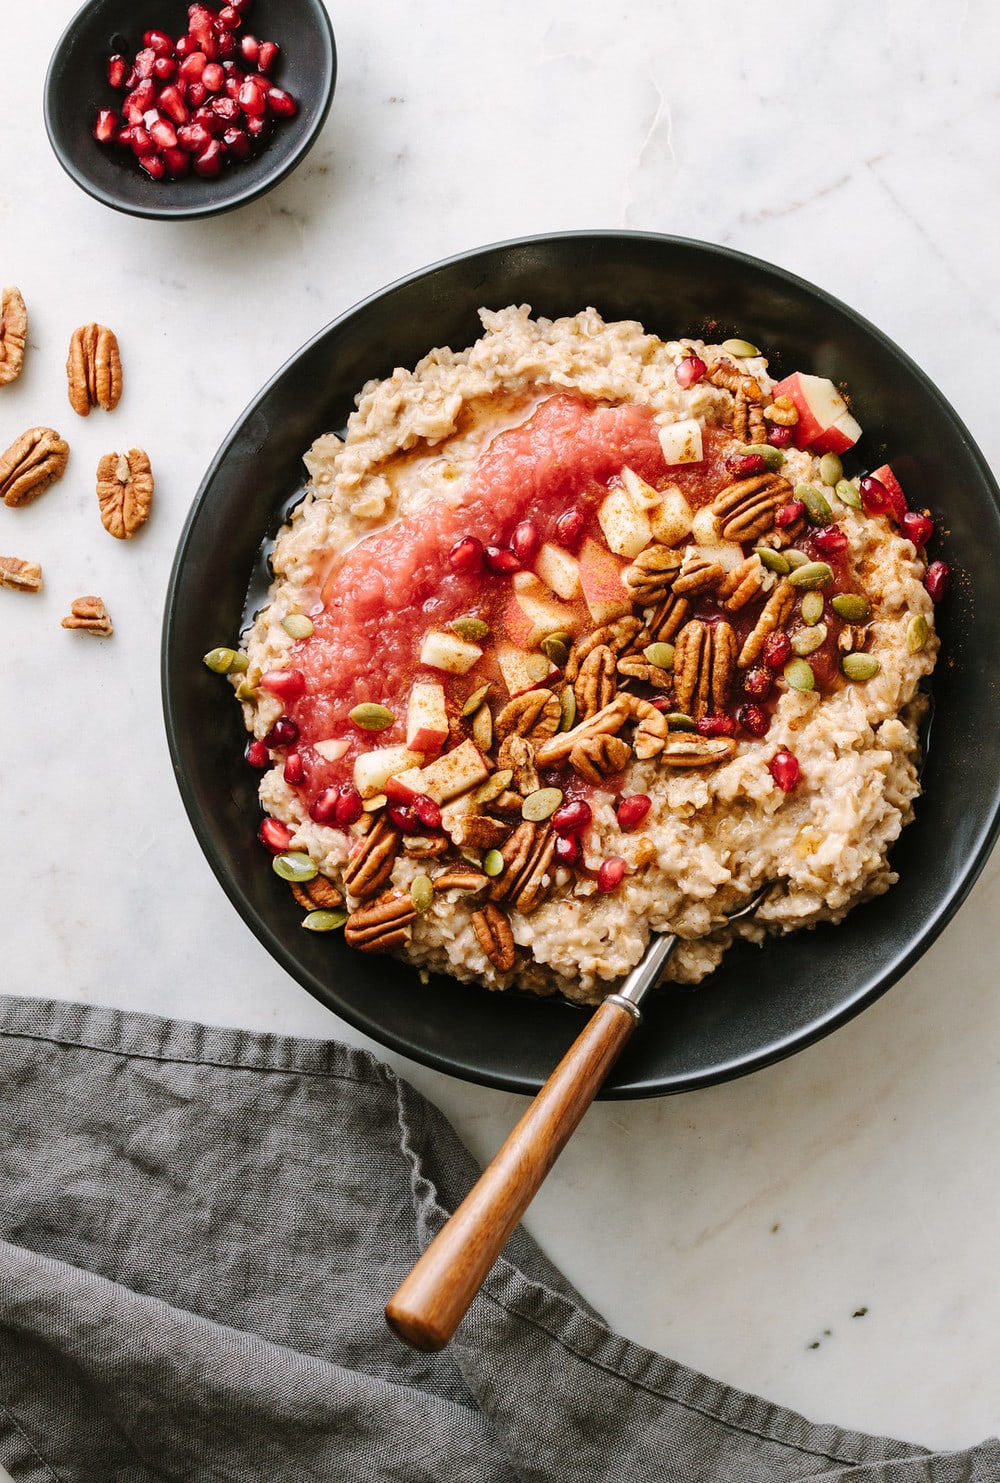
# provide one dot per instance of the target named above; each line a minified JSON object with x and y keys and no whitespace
{"x":431,"y":1301}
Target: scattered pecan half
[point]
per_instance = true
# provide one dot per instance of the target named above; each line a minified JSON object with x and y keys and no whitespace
{"x":851,"y":638}
{"x":13,"y":333}
{"x":704,"y":665}
{"x":478,"y":832}
{"x":517,"y":754}
{"x":742,"y":584}
{"x":382,"y":925}
{"x":516,"y":851}
{"x":535,"y":714}
{"x":652,"y":573}
{"x":93,"y":369}
{"x":596,"y":682}
{"x":124,"y":492}
{"x":493,"y":932}
{"x":458,"y":879}
{"x":687,"y":749}
{"x":730,"y":377}
{"x":773,"y":615}
{"x":32,"y":462}
{"x":367,"y":872}
{"x":698,"y":573}
{"x":634,"y":667}
{"x":597,"y":757}
{"x":747,"y":508}
{"x":618,"y":636}
{"x":669,"y":617}
{"x":651,"y":729}
{"x":424,"y":846}
{"x":319,"y":894}
{"x":609,"y":720}
{"x":25,"y":575}
{"x":535,"y":881}
{"x":90,"y":615}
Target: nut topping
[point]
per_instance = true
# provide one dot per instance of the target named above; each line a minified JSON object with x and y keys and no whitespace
{"x":515,"y":852}
{"x":517,"y":754}
{"x":382,"y":926}
{"x":782,"y":412}
{"x":493,"y":932}
{"x":13,"y":332}
{"x":93,"y":369}
{"x":741,"y":585}
{"x":90,"y":615}
{"x":747,"y":507}
{"x":704,"y":664}
{"x":24,"y":575}
{"x":618,"y":636}
{"x":652,"y":573}
{"x":478,"y":832}
{"x":687,"y":749}
{"x":124,"y":492}
{"x":634,"y":667}
{"x":536,"y":715}
{"x":596,"y":757}
{"x":371,"y":867}
{"x":669,"y":617}
{"x":651,"y":728}
{"x":319,"y":894}
{"x":608,"y":720}
{"x":460,"y":880}
{"x":697,"y":574}
{"x":595,"y":685}
{"x":774,"y":615}
{"x":32,"y":462}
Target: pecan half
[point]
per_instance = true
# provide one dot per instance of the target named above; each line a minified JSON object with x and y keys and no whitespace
{"x":741,"y":585}
{"x":634,"y":667}
{"x":478,"y":832}
{"x":535,"y":881}
{"x":124,"y":492}
{"x":371,"y":867}
{"x":596,"y":757}
{"x":13,"y":333}
{"x":516,"y":851}
{"x":460,"y":880}
{"x":595,"y":685}
{"x":617,"y":636}
{"x":699,"y":573}
{"x":508,"y":804}
{"x":609,"y":720}
{"x":382,"y":925}
{"x":535,"y":714}
{"x":687,"y":749}
{"x":704,"y":664}
{"x":517,"y":754}
{"x":851,"y":638}
{"x":747,"y":507}
{"x":424,"y":846}
{"x":90,"y":615}
{"x":652,"y":573}
{"x":651,"y":729}
{"x":93,"y":369}
{"x":319,"y":894}
{"x":730,"y":377}
{"x":493,"y":933}
{"x":25,"y":575}
{"x":773,"y":615}
{"x":669,"y":617}
{"x":32,"y":462}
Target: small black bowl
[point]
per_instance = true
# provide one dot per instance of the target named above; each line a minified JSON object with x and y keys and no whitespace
{"x":763,"y":1003}
{"x":76,"y":86}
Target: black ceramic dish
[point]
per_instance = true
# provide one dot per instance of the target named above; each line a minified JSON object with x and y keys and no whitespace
{"x":763,"y":1003}
{"x":76,"y":87}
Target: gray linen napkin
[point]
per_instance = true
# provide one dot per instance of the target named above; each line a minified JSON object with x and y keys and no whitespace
{"x":199,"y":1228}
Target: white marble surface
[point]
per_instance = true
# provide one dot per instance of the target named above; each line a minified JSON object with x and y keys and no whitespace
{"x":741,"y":1229}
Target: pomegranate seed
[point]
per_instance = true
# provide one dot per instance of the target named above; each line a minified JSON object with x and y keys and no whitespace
{"x":281,"y":103}
{"x":132,"y":78}
{"x":777,"y":650}
{"x":349,"y":806}
{"x":403,"y":815}
{"x":286,"y":684}
{"x":718,"y":724}
{"x":196,"y":93}
{"x":294,"y":770}
{"x":525,"y":541}
{"x":779,"y":437}
{"x":241,"y":5}
{"x":106,"y":125}
{"x":267,"y":56}
{"x":117,"y":70}
{"x":274,"y":836}
{"x":142,"y":142}
{"x":284,"y":733}
{"x":237,"y":143}
{"x":427,"y":811}
{"x":572,"y":817}
{"x":757,"y":682}
{"x":184,"y":46}
{"x":165,"y":69}
{"x":211,"y":159}
{"x":917,"y":528}
{"x":192,"y":67}
{"x":226,"y":45}
{"x":876,"y":499}
{"x":154,"y":165}
{"x":569,"y":527}
{"x":252,"y":99}
{"x":466,"y":555}
{"x":163,"y":134}
{"x":230,"y":18}
{"x":938,"y":580}
{"x":785,"y":770}
{"x":754,"y":719}
{"x":209,"y":119}
{"x":567,"y":849}
{"x":232,"y":88}
{"x":690,"y":370}
{"x":259,"y":128}
{"x":227,"y":109}
{"x":172,"y":103}
{"x":250,"y":49}
{"x":177,"y":161}
{"x":501,"y":560}
{"x":194,"y":137}
{"x":158,"y":42}
{"x":611,"y":873}
{"x":139,"y":101}
{"x":143,"y":65}
{"x":746,"y":464}
{"x":632,"y":810}
{"x":323,"y":809}
{"x":831,"y":540}
{"x":258,"y":756}
{"x":788,"y":514}
{"x":213,"y":77}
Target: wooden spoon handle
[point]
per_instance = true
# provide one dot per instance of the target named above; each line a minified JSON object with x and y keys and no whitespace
{"x":431,"y":1301}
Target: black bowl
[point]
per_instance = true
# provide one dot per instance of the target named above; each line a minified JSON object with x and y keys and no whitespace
{"x":76,"y":87}
{"x":763,"y":1003}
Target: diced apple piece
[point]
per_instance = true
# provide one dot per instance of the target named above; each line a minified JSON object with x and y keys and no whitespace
{"x":624,"y":523}
{"x":448,"y":652}
{"x":605,"y":593}
{"x":559,"y":570}
{"x":452,"y":774}
{"x":532,"y":612}
{"x":332,"y":748}
{"x":681,"y":441}
{"x":706,"y":527}
{"x":372,"y":770}
{"x":825,"y":425}
{"x":671,"y":520}
{"x":728,"y":554}
{"x":426,"y":718}
{"x":644,"y":495}
{"x":522,"y":671}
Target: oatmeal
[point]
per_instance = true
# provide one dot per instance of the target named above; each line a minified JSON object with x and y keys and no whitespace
{"x":580,"y":635}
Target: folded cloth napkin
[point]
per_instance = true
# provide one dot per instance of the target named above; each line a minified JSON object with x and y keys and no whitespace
{"x":199,"y":1230}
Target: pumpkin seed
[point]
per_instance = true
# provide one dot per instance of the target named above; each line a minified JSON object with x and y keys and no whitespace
{"x":795,"y":557}
{"x":816,"y":503}
{"x":773,"y":457}
{"x":662,"y":655}
{"x":917,"y":633}
{"x":293,"y":865}
{"x":852,"y":607}
{"x":246,"y":690}
{"x":372,"y":717}
{"x":498,"y":783}
{"x":226,"y":661}
{"x":678,"y":721}
{"x":541,"y":804}
{"x":813,"y":574}
{"x":860,"y":666}
{"x":847,"y":494}
{"x":743,"y":349}
{"x":555,"y":650}
{"x":297,"y":625}
{"x":799,"y":675}
{"x":808,"y":640}
{"x":324,"y":921}
{"x":421,"y":892}
{"x":482,"y":728}
{"x":567,"y":704}
{"x":493,"y":863}
{"x":812,"y":607}
{"x":472,"y":629}
{"x":536,"y":667}
{"x":775,"y":561}
{"x":831,"y":470}
{"x":475,"y":700}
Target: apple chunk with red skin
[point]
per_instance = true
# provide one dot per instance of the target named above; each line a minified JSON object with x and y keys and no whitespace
{"x":825,"y":425}
{"x":533,"y":612}
{"x":605,"y":593}
{"x":426,"y":717}
{"x":450,"y":775}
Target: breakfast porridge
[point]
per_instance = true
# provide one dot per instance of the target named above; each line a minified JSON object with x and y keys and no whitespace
{"x":580,"y":635}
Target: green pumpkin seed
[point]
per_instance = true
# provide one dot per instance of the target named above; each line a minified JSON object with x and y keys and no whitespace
{"x":816,"y":503}
{"x":852,"y":607}
{"x":555,"y":650}
{"x":246,"y":690}
{"x":324,"y":921}
{"x":799,"y":675}
{"x":482,"y":728}
{"x":773,"y":457}
{"x":293,"y":865}
{"x":493,"y":863}
{"x":536,"y":667}
{"x":662,"y":655}
{"x":541,"y":804}
{"x":475,"y":700}
{"x":847,"y":494}
{"x":808,"y":640}
{"x":421,"y":892}
{"x":813,"y":574}
{"x":297,"y":625}
{"x":860,"y":666}
{"x":917,"y":633}
{"x":567,"y":705}
{"x":226,"y":661}
{"x":775,"y":561}
{"x":678,"y":721}
{"x":795,"y":557}
{"x":742,"y":349}
{"x":812,"y":607}
{"x":372,"y":717}
{"x":831,"y":470}
{"x":498,"y":783}
{"x":472,"y":629}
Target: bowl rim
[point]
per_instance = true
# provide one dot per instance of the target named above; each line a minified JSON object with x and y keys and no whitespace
{"x":233,"y":198}
{"x":948,"y":902}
